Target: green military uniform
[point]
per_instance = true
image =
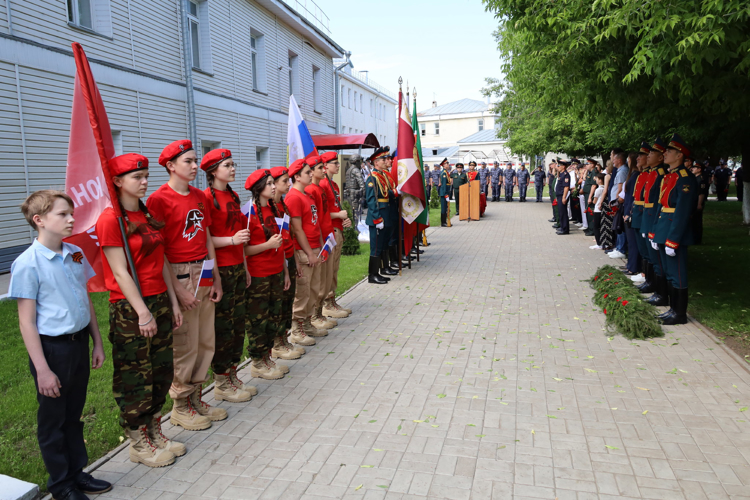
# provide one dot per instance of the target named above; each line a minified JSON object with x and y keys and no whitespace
{"x":444,"y":191}
{"x":458,"y":179}
{"x":378,"y":195}
{"x":230,"y":320}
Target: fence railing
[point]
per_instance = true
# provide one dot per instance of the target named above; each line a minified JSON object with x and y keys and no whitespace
{"x":313,"y":13}
{"x":363,"y":76}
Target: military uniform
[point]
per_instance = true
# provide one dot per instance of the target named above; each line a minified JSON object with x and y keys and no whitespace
{"x":458,"y":179}
{"x":552,"y":179}
{"x":636,"y":213}
{"x":523,"y":177}
{"x":444,"y":190}
{"x":656,"y":281}
{"x":483,"y":176}
{"x":539,"y":178}
{"x":563,"y":181}
{"x":509,"y":175}
{"x":496,"y":176}
{"x":589,"y":183}
{"x":378,"y":196}
{"x":704,"y":182}
{"x":435,"y":175}
{"x":722,"y":177}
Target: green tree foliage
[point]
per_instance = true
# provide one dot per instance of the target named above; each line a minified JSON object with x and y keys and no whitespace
{"x":434,"y":198}
{"x":583,"y":77}
{"x":351,"y":240}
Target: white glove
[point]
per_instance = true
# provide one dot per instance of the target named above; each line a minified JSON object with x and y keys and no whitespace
{"x":380,"y":225}
{"x":644,"y":234}
{"x":654,"y":245}
{"x":670,"y":251}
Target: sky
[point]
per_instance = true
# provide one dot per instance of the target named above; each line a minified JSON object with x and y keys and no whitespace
{"x":443,"y":48}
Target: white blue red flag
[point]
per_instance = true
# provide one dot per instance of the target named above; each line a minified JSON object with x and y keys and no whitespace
{"x":325,"y":251}
{"x":207,"y":274}
{"x":247,"y":210}
{"x":298,"y":139}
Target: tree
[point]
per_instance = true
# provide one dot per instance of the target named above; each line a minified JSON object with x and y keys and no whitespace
{"x":351,"y":236}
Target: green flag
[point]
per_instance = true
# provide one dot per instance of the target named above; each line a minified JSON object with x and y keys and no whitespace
{"x":424,"y":217}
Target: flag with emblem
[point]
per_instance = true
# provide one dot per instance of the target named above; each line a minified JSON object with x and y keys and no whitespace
{"x":423,"y":219}
{"x":207,"y":275}
{"x":406,"y":171}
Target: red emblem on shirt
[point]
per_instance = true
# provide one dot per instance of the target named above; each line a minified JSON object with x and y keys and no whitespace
{"x":77,"y":258}
{"x":150,"y":238}
{"x":193,"y":224}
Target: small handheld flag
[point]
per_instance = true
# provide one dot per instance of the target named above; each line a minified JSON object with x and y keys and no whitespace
{"x":207,"y":275}
{"x":248,"y":210}
{"x":325,"y":251}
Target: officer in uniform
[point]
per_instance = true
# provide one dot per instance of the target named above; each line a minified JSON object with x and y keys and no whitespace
{"x":484,"y":179}
{"x":704,"y":181}
{"x":459,"y":178}
{"x":636,"y":213}
{"x":496,"y":179}
{"x":552,"y":179}
{"x":378,"y":198}
{"x":444,"y":188}
{"x":390,"y":265}
{"x":658,"y":281}
{"x":354,"y":190}
{"x":722,"y":177}
{"x":522,"y":180}
{"x":539,"y":178}
{"x":562,"y":191}
{"x":673,"y":229}
{"x":509,"y":180}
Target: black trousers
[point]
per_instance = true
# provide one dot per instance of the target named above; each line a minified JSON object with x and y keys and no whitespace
{"x":598,"y":227}
{"x":697,"y":222}
{"x":539,"y":190}
{"x":562,"y":210}
{"x":59,"y":425}
{"x":428,"y":192}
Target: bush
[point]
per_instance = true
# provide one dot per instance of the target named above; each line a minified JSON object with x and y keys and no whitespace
{"x":351,"y":240}
{"x":621,"y":301}
{"x":434,"y":198}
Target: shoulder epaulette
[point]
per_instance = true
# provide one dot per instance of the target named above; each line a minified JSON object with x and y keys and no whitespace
{"x":683,"y":173}
{"x":661,"y":171}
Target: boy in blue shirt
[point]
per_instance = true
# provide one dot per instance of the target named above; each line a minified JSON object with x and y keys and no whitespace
{"x":56,"y":318}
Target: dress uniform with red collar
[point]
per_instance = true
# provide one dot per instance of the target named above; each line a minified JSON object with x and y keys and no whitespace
{"x":636,"y":215}
{"x":378,"y":199}
{"x":658,"y":281}
{"x":673,"y":232}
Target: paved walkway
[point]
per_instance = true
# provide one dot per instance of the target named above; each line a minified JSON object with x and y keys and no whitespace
{"x":481,"y":373}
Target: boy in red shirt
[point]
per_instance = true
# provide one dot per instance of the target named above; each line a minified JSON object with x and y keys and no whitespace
{"x":340,"y":220}
{"x":187,"y":243}
{"x":304,"y":215}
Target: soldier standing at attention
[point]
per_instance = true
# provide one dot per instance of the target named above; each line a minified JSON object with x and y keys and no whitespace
{"x":509,"y":180}
{"x":552,"y":179}
{"x":722,"y":177}
{"x":496,"y":176}
{"x":562,"y":190}
{"x":678,"y":197}
{"x":539,"y":178}
{"x":522,"y":181}
{"x":427,"y":184}
{"x":354,"y":191}
{"x":459,"y":178}
{"x":377,"y":196}
{"x":648,"y":223}
{"x":484,"y":180}
{"x":704,"y":182}
{"x":444,"y":188}
{"x":636,"y":212}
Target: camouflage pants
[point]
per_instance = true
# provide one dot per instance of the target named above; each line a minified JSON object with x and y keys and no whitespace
{"x":143,"y":367}
{"x":230,"y":319}
{"x":263,"y":317}
{"x":287,"y":304}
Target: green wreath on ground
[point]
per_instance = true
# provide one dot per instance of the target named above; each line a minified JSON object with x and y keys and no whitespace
{"x":621,"y":302}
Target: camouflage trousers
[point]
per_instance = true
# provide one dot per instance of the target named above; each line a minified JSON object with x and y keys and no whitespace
{"x":143,"y":367}
{"x":287,"y":305}
{"x":230,"y":319}
{"x":263,"y":313}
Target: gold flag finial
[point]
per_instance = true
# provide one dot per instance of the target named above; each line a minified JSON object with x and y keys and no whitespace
{"x":415,"y":92}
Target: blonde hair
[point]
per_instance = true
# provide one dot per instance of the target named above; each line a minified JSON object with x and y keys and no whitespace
{"x":40,"y":203}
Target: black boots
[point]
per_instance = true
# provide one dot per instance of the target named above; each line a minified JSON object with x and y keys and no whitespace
{"x":374,"y":277}
{"x":393,"y":255}
{"x":659,"y":298}
{"x":648,"y":285}
{"x":678,"y":314}
{"x":443,"y":218}
{"x":385,"y":268}
{"x":671,"y":300}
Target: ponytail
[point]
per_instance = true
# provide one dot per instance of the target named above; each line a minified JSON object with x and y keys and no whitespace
{"x":132,"y":227}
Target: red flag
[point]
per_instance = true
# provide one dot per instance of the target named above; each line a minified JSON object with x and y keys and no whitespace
{"x":87,"y":179}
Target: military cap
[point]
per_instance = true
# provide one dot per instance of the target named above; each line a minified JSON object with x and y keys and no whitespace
{"x":212,"y":159}
{"x":644,"y":149}
{"x":472,"y":162}
{"x":592,"y":160}
{"x":329,"y":156}
{"x":678,"y":144}
{"x":124,"y":164}
{"x":174,"y":150}
{"x":496,"y":163}
{"x":459,"y":165}
{"x":380,"y":153}
{"x":296,"y":167}
{"x":721,"y":160}
{"x":445,"y":160}
{"x":658,"y":145}
{"x":256,"y":177}
{"x":277,"y":172}
{"x":484,"y":164}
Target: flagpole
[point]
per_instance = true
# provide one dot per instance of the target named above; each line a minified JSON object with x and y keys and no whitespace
{"x":418,"y":157}
{"x":83,"y":70}
{"x":398,"y":197}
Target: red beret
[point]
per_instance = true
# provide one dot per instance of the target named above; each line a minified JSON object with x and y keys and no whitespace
{"x":277,"y":172}
{"x":296,"y":167}
{"x":129,"y":162}
{"x":256,"y":176}
{"x":174,"y":150}
{"x":213,"y":158}
{"x":329,"y":156}
{"x":312,"y":160}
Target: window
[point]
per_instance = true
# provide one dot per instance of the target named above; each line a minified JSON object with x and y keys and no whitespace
{"x":317,"y":105}
{"x":372,"y":107}
{"x":437,"y":128}
{"x":258,"y":60}
{"x":293,"y":73}
{"x":261,"y":158}
{"x":361,"y":109}
{"x":90,"y":14}
{"x":199,"y":34}
{"x":481,"y":124}
{"x":117,"y":141}
{"x":195,"y":35}
{"x":349,"y":97}
{"x":342,"y":102}
{"x":423,"y":129}
{"x":355,"y":100}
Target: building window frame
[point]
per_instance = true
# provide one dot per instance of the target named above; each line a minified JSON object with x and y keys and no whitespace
{"x":361,"y":104}
{"x":258,"y":60}
{"x":437,"y":128}
{"x":93,"y":16}
{"x":423,"y":129}
{"x":293,"y":73}
{"x":480,"y":122}
{"x":317,"y":76}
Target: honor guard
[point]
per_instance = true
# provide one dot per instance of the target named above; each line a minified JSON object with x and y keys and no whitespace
{"x":459,"y":179}
{"x":673,"y":230}
{"x":392,"y":250}
{"x":636,"y":214}
{"x":552,"y":180}
{"x":445,"y":185}
{"x":496,"y":177}
{"x":509,"y":180}
{"x":522,"y":180}
{"x":484,"y":178}
{"x":377,"y":196}
{"x":562,"y":191}
{"x":539,"y":178}
{"x":658,"y":281}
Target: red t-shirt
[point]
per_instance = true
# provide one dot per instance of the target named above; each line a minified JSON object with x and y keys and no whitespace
{"x":271,"y":261}
{"x":321,"y":201}
{"x":146,"y":246}
{"x":226,"y":221}
{"x":186,"y":219}
{"x":334,"y":201}
{"x":287,"y":235}
{"x":302,"y":205}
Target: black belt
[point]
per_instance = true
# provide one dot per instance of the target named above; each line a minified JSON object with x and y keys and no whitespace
{"x":192,"y":261}
{"x":69,"y":337}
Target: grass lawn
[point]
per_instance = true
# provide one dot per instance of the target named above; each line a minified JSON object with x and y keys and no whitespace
{"x":19,"y":451}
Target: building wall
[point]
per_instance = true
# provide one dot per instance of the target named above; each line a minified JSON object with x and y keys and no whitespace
{"x":142,"y":86}
{"x":453,"y":128}
{"x":376,"y":116}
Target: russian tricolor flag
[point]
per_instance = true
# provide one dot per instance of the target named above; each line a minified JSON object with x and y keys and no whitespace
{"x":298,"y":139}
{"x":283,"y":223}
{"x":207,"y":275}
{"x":248,"y":209}
{"x":325,"y":251}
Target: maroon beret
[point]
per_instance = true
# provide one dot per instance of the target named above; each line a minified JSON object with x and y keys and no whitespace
{"x":277,"y":172}
{"x":256,"y":176}
{"x":296,"y":167}
{"x":124,"y":164}
{"x":329,"y":156}
{"x":174,"y":150}
{"x":213,"y":158}
{"x":312,"y":160}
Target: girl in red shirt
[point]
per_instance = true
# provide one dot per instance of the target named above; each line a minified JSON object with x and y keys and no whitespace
{"x":269,"y":279}
{"x":141,"y":321}
{"x":281,"y":182}
{"x":229,"y":234}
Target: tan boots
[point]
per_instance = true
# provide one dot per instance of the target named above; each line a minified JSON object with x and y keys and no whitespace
{"x":236,"y":381}
{"x":260,"y":368}
{"x":186,"y":416}
{"x":282,"y":349}
{"x":143,"y":450}
{"x":321,"y":322}
{"x":333,"y":310}
{"x":211,"y":412}
{"x":313,"y":331}
{"x":226,"y":390}
{"x":160,"y":440}
{"x":298,"y":334}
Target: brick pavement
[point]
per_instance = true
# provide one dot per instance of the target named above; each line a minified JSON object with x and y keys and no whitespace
{"x":482,"y":373}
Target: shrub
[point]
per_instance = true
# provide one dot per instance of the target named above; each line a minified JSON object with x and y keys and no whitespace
{"x":351,"y":240}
